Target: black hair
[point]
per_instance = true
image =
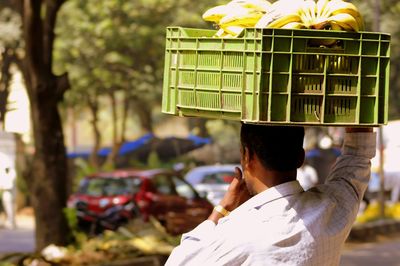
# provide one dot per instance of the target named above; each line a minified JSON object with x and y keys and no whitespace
{"x":278,"y":148}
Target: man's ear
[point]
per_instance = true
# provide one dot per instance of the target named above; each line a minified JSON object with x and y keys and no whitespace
{"x":300,"y":158}
{"x":246,"y":155}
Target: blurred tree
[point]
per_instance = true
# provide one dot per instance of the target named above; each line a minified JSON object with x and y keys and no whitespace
{"x":226,"y":137}
{"x":115,"y":49}
{"x":48,"y":177}
{"x":198,"y":127}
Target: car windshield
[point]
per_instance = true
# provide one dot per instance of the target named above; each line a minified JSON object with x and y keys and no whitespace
{"x":108,"y":186}
{"x":218,"y":178}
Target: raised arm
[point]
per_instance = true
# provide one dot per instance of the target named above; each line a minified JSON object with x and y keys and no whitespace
{"x":351,"y":173}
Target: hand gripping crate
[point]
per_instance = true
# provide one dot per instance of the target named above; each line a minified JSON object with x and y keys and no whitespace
{"x":278,"y":76}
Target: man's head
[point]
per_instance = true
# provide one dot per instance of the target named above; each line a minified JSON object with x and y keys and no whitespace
{"x":277,"y":148}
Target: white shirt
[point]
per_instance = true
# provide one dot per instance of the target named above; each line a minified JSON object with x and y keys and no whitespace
{"x":284,"y":225}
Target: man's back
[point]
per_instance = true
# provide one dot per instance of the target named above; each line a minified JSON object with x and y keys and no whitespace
{"x":284,"y":225}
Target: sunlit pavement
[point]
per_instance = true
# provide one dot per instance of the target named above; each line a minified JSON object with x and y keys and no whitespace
{"x":384,"y":252}
{"x":20,"y":239}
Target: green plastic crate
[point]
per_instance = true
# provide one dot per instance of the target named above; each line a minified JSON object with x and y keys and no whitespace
{"x":275,"y":76}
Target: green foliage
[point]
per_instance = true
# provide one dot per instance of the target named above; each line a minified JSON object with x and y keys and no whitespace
{"x":77,"y":237}
{"x":7,"y":263}
{"x":83,"y":169}
{"x":153,"y":161}
{"x":21,"y":185}
{"x":118,"y":45}
{"x":10,"y":27}
{"x":72,"y":220}
{"x":108,"y":166}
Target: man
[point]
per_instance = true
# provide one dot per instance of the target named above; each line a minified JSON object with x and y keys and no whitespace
{"x":266,"y":218}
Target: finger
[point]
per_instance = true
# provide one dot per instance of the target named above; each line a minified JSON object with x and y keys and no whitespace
{"x":239,"y":174}
{"x":236,"y":181}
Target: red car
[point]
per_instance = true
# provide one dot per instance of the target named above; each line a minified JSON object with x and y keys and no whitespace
{"x":111,"y":198}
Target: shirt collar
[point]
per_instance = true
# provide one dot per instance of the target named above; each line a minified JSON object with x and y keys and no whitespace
{"x":271,"y":194}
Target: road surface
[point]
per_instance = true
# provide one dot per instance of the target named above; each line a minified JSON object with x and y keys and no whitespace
{"x":382,"y":253}
{"x":21,"y":239}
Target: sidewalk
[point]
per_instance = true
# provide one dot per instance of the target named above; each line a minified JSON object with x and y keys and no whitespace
{"x":21,"y":239}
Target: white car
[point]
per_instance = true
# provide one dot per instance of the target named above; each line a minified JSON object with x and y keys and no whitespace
{"x":212,"y":180}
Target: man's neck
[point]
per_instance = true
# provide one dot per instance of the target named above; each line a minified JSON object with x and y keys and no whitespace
{"x":269,"y":178}
{"x":261,"y":178}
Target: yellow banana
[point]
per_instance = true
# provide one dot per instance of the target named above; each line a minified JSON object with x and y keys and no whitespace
{"x":264,"y":21}
{"x":346,"y":21}
{"x":338,"y":6}
{"x":259,"y":5}
{"x":335,"y":5}
{"x":335,"y":26}
{"x":326,"y":12}
{"x":220,"y":33}
{"x":223,"y":34}
{"x":215,"y":14}
{"x":239,"y":21}
{"x":293,"y":25}
{"x":278,"y":11}
{"x":312,"y":8}
{"x":247,"y":18}
{"x":321,"y":4}
{"x":308,"y":12}
{"x":233,"y":31}
{"x":278,"y":23}
{"x":320,"y":23}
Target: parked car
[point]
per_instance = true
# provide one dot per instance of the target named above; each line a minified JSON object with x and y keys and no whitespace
{"x":212,"y":181}
{"x":112,"y":198}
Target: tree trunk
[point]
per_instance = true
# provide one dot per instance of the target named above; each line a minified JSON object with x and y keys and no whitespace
{"x":48,"y":186}
{"x":125,"y":112}
{"x":116,"y":144}
{"x":142,"y":110}
{"x":94,"y":108}
{"x":47,"y":183}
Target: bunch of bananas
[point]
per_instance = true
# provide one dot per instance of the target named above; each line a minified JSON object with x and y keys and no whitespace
{"x":334,"y":14}
{"x":236,"y":15}
{"x":233,"y":17}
